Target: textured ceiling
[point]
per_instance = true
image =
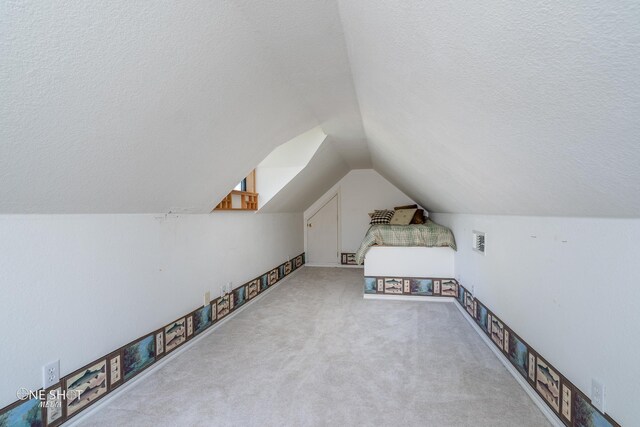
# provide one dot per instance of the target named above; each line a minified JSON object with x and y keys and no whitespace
{"x":137,"y":106}
{"x":500,"y":107}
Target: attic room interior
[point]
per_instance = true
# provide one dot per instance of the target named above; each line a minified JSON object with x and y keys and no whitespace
{"x":320,"y":212}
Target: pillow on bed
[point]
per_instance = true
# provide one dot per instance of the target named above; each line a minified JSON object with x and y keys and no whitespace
{"x":406,"y":207}
{"x":403,"y":216}
{"x":381,"y":217}
{"x":418,"y":218}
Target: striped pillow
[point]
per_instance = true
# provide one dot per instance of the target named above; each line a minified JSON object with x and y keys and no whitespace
{"x":381,"y":217}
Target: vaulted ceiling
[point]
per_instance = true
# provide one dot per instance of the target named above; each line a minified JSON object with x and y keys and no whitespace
{"x":500,"y":107}
{"x":136,"y":106}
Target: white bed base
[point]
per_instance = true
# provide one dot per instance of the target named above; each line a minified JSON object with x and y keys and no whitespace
{"x":403,"y":261}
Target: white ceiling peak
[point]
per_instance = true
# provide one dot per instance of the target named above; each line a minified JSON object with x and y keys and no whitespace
{"x":305,"y":38}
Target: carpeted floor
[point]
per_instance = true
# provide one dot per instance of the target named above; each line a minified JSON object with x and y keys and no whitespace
{"x":313,"y":352}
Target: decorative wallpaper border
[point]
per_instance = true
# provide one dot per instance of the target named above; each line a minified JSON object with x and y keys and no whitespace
{"x":568,"y":403}
{"x":348,"y":258}
{"x":80,"y":389}
{"x":416,"y":286}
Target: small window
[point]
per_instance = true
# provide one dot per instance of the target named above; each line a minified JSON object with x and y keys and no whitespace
{"x":479,"y":241}
{"x":242,"y":185}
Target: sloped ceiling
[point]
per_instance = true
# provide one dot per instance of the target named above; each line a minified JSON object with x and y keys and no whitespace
{"x":325,"y":168}
{"x":133,"y":106}
{"x":500,"y":107}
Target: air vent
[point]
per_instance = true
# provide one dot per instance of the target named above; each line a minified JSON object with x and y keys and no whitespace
{"x":479,"y":241}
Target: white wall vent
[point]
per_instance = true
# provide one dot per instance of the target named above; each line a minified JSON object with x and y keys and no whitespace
{"x":479,"y":241}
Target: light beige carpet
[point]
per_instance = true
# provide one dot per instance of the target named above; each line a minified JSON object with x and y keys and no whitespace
{"x":313,"y":352}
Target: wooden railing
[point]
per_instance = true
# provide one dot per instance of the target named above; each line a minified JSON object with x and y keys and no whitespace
{"x":248,"y":201}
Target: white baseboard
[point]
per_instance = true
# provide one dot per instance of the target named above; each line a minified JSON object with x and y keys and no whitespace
{"x":334,"y":265}
{"x":82,"y":416}
{"x":407,"y":298}
{"x":537,"y":400}
{"x":307,"y":264}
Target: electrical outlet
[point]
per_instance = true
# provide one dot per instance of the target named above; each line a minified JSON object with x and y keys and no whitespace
{"x":50,"y":374}
{"x":597,"y":394}
{"x":473,"y":289}
{"x":207,"y":298}
{"x":229,"y":287}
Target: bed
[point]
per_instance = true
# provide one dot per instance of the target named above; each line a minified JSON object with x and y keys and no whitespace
{"x":429,"y":235}
{"x":408,"y":251}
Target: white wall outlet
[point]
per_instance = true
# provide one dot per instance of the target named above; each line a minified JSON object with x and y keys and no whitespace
{"x":473,"y":289}
{"x":229,"y":287}
{"x":207,"y":298}
{"x":597,"y":394}
{"x":50,"y":374}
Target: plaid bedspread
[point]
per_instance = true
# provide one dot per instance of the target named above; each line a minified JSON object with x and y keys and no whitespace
{"x":429,"y":235}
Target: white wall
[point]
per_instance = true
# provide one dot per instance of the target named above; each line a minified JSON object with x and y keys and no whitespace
{"x":75,"y":287}
{"x":285,"y":162}
{"x":572,"y":292}
{"x":325,"y":168}
{"x":271,"y":180}
{"x":410,"y":262}
{"x":360,"y":191}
